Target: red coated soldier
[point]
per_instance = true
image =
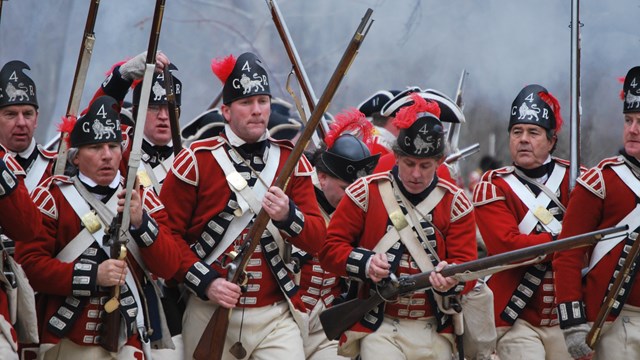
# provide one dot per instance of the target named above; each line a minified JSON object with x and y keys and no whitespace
{"x":367,"y":244}
{"x":345,"y":159}
{"x":18,"y":122}
{"x":520,"y":206}
{"x":21,"y":220}
{"x":606,"y":195}
{"x":214,"y":189}
{"x":68,"y":261}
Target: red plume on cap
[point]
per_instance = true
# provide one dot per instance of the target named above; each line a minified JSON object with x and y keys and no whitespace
{"x":66,"y":126}
{"x":409,"y":114}
{"x":350,"y":121}
{"x":621,"y":81}
{"x":223,"y":67}
{"x":555,"y":106}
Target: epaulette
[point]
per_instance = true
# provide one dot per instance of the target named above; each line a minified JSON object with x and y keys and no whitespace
{"x":127,"y":132}
{"x":48,"y":154}
{"x":460,"y":206}
{"x":484,"y":193}
{"x":150,"y":201}
{"x":592,"y":179}
{"x":207,"y":144}
{"x":13,"y":165}
{"x":359,"y":190}
{"x":304,"y":167}
{"x":42,"y":197}
{"x":496,"y":173}
{"x":185,"y":167}
{"x":567,"y":163}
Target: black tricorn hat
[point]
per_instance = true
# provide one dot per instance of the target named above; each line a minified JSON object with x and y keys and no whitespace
{"x":206,"y":125}
{"x":242,"y":77}
{"x":631,"y":91}
{"x":347,"y":157}
{"x":390,"y":109}
{"x":158,"y":95}
{"x":374,"y":103}
{"x":16,"y":88}
{"x":421,"y":132}
{"x":529,"y":107}
{"x":101,"y":124}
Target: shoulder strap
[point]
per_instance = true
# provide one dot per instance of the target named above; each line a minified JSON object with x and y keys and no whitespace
{"x":36,"y":172}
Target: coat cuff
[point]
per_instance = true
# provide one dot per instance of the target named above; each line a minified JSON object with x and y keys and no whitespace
{"x":293,"y":224}
{"x":84,"y":279}
{"x":115,"y":86}
{"x":198,"y":278}
{"x":8,"y":180}
{"x":147,"y":233}
{"x":571,"y":313}
{"x":357,"y":263}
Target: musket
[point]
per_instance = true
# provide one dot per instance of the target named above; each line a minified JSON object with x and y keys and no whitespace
{"x":1,"y":1}
{"x":612,"y":294}
{"x":339,"y":318}
{"x":82,"y":65}
{"x":574,"y":136}
{"x":296,"y":64}
{"x":109,"y":339}
{"x":462,"y":154}
{"x":211,"y":343}
{"x":174,"y":112}
{"x":215,"y":101}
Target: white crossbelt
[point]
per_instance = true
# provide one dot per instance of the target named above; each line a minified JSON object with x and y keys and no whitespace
{"x":528,"y":223}
{"x":35,"y":173}
{"x":158,"y":173}
{"x":632,"y":219}
{"x":246,"y":198}
{"x":84,"y":239}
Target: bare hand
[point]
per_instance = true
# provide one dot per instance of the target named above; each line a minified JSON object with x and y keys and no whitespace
{"x":162,"y":61}
{"x":378,"y":267}
{"x":111,"y":272}
{"x":135,"y":207}
{"x":276,"y":204}
{"x":439,"y":282}
{"x":224,"y":293}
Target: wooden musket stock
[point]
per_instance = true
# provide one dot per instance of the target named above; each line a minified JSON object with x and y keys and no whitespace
{"x":211,"y":344}
{"x":174,"y":112}
{"x":594,"y":334}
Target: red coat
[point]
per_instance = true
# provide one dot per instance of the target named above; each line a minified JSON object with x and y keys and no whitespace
{"x":499,"y":210}
{"x":361,"y":220}
{"x":599,"y":200}
{"x":19,"y":218}
{"x":196,"y":191}
{"x":53,"y":279}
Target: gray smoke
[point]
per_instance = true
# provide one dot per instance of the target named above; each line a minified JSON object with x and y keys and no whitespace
{"x":504,"y":45}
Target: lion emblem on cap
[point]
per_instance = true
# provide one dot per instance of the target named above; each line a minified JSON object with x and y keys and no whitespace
{"x":633,"y":101}
{"x":100,"y":130}
{"x":424,"y":146}
{"x":250,"y":85}
{"x":158,"y":91}
{"x":528,"y":112}
{"x":14,"y":92}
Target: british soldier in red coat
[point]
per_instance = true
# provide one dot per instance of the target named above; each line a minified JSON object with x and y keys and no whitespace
{"x":18,"y":121}
{"x":20,"y":220}
{"x":520,"y":206}
{"x":345,"y":159}
{"x":215,"y":188}
{"x":68,"y":261}
{"x":606,"y":195}
{"x":363,"y":244}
